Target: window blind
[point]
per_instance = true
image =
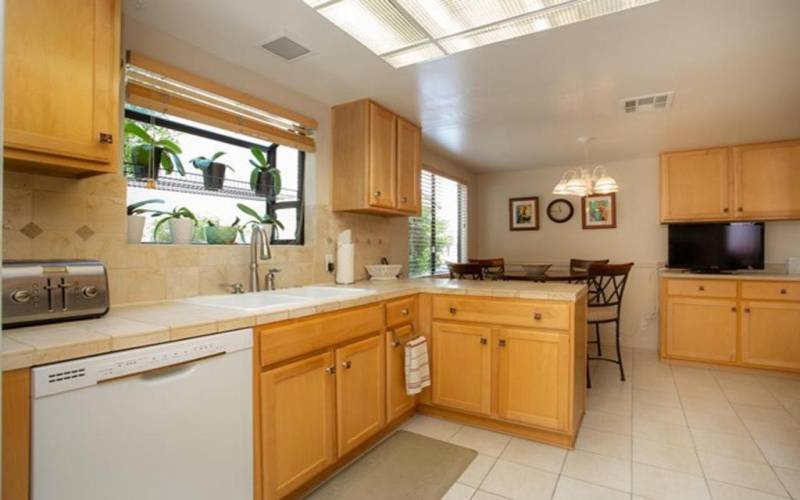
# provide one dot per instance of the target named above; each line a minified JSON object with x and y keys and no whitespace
{"x":439,"y":234}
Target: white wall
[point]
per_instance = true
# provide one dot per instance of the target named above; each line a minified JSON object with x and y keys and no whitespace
{"x":638,"y":238}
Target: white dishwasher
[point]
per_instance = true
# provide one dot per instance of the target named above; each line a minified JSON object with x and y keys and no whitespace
{"x":168,"y":422}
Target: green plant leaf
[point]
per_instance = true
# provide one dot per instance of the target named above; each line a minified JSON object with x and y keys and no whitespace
{"x":257,"y":167}
{"x":169,"y":146}
{"x":178,"y":164}
{"x":158,"y":225}
{"x":249,"y":211}
{"x":216,"y":155}
{"x":254,"y":178}
{"x":277,"y":222}
{"x":166,"y":162}
{"x":259,"y":156}
{"x":276,"y":181}
{"x":134,"y":129}
{"x":136,"y":208}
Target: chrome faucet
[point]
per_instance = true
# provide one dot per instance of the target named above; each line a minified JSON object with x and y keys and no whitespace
{"x":271,"y":278}
{"x":259,"y":250}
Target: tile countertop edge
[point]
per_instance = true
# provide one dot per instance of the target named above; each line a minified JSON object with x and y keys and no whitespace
{"x":748,"y":276}
{"x":43,"y":344}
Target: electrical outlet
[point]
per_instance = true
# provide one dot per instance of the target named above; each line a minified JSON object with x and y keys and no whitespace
{"x":329,"y":264}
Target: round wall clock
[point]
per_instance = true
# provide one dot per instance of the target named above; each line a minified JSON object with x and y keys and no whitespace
{"x":560,"y":210}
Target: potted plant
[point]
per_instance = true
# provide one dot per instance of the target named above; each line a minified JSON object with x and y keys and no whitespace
{"x":136,"y":219}
{"x":151,"y":155}
{"x":213,"y":171}
{"x":181,"y":224}
{"x":223,"y":235}
{"x":261,"y":174}
{"x":267,"y":221}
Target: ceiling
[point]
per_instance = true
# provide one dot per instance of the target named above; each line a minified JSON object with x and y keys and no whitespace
{"x":733,"y":65}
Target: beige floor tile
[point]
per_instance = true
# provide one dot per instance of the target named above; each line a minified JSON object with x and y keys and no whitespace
{"x":431,"y":427}
{"x":707,"y":404}
{"x":477,"y":470}
{"x":598,"y":469}
{"x":572,"y":489}
{"x":459,"y":492}
{"x":791,"y":481}
{"x":761,"y":431}
{"x":617,"y":406}
{"x":485,"y":495}
{"x":792,"y":406}
{"x":674,"y":458}
{"x":780,"y":455}
{"x":727,"y":445}
{"x":778,"y":416}
{"x":604,"y":443}
{"x":723,"y":491}
{"x":672,"y":435}
{"x":654,"y":383}
{"x":484,"y":442}
{"x":656,"y":413}
{"x":659,"y":398}
{"x":754,"y":396}
{"x":661,"y":484}
{"x":519,"y":482}
{"x":720,"y":422}
{"x":532,"y":454}
{"x":759,"y":477}
{"x":608,"y":422}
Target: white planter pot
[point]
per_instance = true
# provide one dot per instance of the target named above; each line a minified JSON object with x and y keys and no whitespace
{"x":181,"y":231}
{"x":135,"y":228}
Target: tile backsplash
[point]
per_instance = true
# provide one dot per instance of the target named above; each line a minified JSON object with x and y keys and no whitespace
{"x":52,"y":218}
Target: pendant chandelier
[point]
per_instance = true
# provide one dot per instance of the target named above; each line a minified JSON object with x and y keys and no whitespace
{"x":586,"y":181}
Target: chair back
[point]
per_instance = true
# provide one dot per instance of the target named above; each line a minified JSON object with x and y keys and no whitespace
{"x":458,"y":270}
{"x":493,"y":269}
{"x":582,"y":266}
{"x":606,"y":284}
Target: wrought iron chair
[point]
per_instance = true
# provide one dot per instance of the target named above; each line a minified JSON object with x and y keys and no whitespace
{"x":577,"y":266}
{"x":459,"y":270}
{"x":606,"y":284}
{"x":493,"y":269}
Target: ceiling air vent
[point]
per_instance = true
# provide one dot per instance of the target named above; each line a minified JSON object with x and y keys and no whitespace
{"x":286,"y":48}
{"x":655,"y":102}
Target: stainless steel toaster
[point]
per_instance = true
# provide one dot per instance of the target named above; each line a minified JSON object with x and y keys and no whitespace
{"x":43,"y":291}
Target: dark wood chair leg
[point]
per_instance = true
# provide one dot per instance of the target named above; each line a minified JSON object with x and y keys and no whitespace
{"x":597,"y":336}
{"x":588,"y":376}
{"x":619,"y":355}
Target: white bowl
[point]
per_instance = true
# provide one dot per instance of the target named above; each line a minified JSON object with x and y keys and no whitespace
{"x":535,"y":269}
{"x":383,"y":271}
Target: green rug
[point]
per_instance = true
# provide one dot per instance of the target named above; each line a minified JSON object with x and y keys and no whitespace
{"x":404,"y":467}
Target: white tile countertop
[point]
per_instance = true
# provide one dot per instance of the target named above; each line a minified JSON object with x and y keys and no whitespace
{"x":131,"y":326}
{"x":738,"y":275}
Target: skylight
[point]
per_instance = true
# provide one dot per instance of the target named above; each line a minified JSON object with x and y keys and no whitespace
{"x":405,"y":32}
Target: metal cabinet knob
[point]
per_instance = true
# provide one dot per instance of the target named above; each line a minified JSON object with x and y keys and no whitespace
{"x":347,"y":365}
{"x":404,"y":312}
{"x":484,"y":341}
{"x":740,"y":209}
{"x":106,"y":138}
{"x":330,"y":370}
{"x":537,"y":316}
{"x":747,"y":310}
{"x":783,"y":291}
{"x":452,"y":310}
{"x":733,"y":309}
{"x":725,"y":210}
{"x":502,"y":343}
{"x":405,"y":199}
{"x":701,"y":288}
{"x":377,"y":194}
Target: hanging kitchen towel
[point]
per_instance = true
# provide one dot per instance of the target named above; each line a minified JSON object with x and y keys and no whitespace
{"x":418,"y":374}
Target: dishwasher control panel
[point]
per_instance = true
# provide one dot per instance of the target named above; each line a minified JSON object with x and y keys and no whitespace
{"x":140,"y":364}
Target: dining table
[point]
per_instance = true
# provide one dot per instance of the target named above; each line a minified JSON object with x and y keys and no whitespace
{"x":549,"y":275}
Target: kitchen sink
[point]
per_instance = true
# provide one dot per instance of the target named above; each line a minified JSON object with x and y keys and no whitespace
{"x":260,"y":301}
{"x":326,"y":292}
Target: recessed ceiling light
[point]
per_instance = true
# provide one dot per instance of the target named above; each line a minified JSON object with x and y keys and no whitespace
{"x":405,"y":32}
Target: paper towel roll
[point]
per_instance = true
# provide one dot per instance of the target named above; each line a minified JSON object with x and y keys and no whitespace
{"x":345,"y":264}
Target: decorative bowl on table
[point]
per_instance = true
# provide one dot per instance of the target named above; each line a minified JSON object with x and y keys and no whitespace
{"x":382,"y":272}
{"x":534,"y":270}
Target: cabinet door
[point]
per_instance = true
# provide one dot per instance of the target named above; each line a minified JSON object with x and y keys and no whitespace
{"x":409,"y":161}
{"x":701,"y":329}
{"x":767,"y":180}
{"x":461,"y":365}
{"x":397,"y":401}
{"x":62,"y":65}
{"x":382,"y":157}
{"x":695,"y":185}
{"x":534,"y":377}
{"x":771,"y":334}
{"x":297,"y":423}
{"x":360,"y":397}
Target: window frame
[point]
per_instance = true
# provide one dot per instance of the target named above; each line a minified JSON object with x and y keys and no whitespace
{"x":270,"y":151}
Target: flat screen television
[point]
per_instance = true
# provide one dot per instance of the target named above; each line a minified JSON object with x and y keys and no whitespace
{"x":716,"y":247}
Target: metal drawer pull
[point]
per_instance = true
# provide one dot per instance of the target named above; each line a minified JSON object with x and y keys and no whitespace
{"x":783,"y":291}
{"x":377,"y":194}
{"x":725,"y":210}
{"x":733,"y":309}
{"x":330,"y":370}
{"x":405,"y":199}
{"x":106,"y":138}
{"x":404,"y":312}
{"x":452,"y":310}
{"x":502,"y":342}
{"x":398,"y":341}
{"x":747,"y":310}
{"x":537,"y":316}
{"x":741,"y":209}
{"x":483,"y":341}
{"x":347,"y":365}
{"x":701,"y":288}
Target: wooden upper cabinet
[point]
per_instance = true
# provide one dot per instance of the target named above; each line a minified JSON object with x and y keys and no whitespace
{"x":534,"y":377}
{"x":409,"y":162}
{"x":767,"y":180}
{"x":62,"y":66}
{"x":360,"y":396}
{"x":696,"y":185}
{"x":461,"y":364}
{"x":376,"y":160}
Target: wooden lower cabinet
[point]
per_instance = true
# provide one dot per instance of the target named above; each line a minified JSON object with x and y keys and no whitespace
{"x":461,"y":364}
{"x":771,"y":334}
{"x":534,"y":377}
{"x":398,"y":402}
{"x":16,"y":434}
{"x":701,"y":329}
{"x":360,"y":403}
{"x":297,"y":412}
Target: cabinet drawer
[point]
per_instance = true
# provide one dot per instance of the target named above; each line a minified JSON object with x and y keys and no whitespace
{"x":287,"y":340}
{"x":402,"y":310}
{"x":503,"y":312}
{"x":702,"y":288}
{"x":770,"y":290}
